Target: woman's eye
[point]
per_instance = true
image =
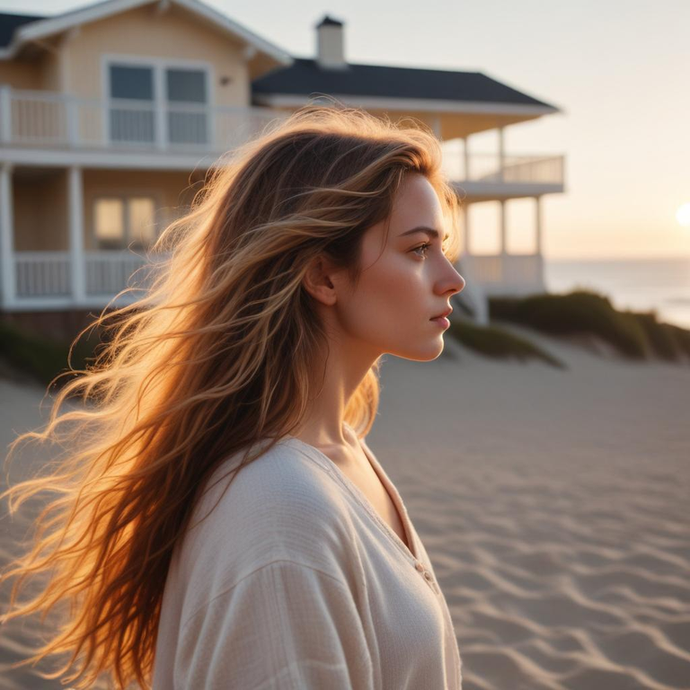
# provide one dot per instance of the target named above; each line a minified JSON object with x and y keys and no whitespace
{"x":425,"y":247}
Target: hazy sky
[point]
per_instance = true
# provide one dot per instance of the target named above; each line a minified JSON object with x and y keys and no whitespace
{"x":620,"y":69}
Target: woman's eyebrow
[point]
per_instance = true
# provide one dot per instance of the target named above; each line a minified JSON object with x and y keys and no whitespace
{"x":432,"y":232}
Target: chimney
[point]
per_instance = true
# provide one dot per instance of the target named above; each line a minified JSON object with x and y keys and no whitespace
{"x":330,"y":49}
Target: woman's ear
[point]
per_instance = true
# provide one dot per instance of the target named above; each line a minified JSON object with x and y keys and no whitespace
{"x":318,"y":281}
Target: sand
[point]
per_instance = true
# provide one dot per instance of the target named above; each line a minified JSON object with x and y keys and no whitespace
{"x":554,"y":504}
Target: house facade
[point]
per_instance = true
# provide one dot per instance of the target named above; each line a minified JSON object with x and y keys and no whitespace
{"x":110,"y":116}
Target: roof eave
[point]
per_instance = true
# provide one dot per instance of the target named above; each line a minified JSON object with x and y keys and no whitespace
{"x":407,"y":104}
{"x":63,"y":22}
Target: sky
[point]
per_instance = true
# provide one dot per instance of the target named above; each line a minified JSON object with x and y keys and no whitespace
{"x":619,"y":69}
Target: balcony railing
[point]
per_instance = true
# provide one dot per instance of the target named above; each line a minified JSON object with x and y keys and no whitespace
{"x":43,"y":118}
{"x":47,"y":274}
{"x":488,"y":167}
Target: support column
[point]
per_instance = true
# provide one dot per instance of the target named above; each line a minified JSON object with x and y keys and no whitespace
{"x":7,"y":274}
{"x":436,"y":126}
{"x":501,"y":154}
{"x":505,"y":268}
{"x":503,"y":226}
{"x":5,"y":114}
{"x":466,"y":225}
{"x":467,"y":158}
{"x":76,"y":233}
{"x":538,"y":248}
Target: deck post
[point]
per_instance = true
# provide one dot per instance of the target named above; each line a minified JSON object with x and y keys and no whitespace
{"x":6,"y":237}
{"x":538,"y":241}
{"x":5,"y":114}
{"x":76,"y":233}
{"x":466,"y":154}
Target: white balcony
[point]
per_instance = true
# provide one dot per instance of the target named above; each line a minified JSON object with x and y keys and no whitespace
{"x":496,"y":176}
{"x":45,"y":119}
{"x":505,"y":274}
{"x":45,"y":279}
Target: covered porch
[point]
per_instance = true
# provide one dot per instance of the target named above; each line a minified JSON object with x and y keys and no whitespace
{"x":73,"y":238}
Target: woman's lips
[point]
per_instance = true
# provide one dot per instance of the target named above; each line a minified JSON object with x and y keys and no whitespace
{"x":441,"y":321}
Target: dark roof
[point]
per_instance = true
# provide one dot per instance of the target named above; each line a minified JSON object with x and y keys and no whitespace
{"x":305,"y":76}
{"x":9,"y":22}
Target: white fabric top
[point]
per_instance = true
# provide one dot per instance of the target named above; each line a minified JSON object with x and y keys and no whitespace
{"x":294,"y":581}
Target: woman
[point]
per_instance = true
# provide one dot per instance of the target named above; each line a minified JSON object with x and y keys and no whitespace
{"x":223,"y":523}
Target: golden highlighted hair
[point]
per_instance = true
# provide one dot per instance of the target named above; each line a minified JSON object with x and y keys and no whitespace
{"x":216,"y":358}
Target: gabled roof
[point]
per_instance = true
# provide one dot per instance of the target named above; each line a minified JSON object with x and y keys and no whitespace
{"x":10,"y":22}
{"x":22,"y":28}
{"x":305,"y":76}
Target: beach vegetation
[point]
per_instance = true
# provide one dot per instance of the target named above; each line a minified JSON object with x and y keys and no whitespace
{"x":634,"y":335}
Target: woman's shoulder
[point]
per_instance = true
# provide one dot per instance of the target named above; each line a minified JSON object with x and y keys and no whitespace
{"x":284,"y":505}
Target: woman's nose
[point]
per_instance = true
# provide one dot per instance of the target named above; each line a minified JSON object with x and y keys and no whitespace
{"x":456,"y":282}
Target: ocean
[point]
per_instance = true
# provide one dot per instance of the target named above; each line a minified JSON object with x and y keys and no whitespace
{"x":636,"y":284}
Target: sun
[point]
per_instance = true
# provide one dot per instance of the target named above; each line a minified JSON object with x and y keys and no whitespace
{"x":683,"y":215}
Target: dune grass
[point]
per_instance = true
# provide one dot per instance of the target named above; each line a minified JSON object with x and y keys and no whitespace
{"x":635,"y":335}
{"x":495,"y":342}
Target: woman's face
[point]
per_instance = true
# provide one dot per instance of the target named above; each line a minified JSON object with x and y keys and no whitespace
{"x":406,"y":280}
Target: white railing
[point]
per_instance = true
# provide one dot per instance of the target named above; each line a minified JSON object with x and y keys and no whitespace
{"x":43,"y":118}
{"x":49,"y":273}
{"x":43,"y":274}
{"x":505,"y":270}
{"x":488,"y":167}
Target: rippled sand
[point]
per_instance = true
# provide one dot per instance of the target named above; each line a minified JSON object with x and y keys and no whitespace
{"x":555,"y":506}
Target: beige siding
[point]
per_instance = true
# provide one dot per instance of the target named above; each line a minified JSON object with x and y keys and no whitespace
{"x":41,"y":214}
{"x":40,"y":210}
{"x":21,"y":74}
{"x":175,"y":35}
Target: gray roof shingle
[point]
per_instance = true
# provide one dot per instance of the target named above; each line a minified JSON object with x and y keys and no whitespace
{"x":10,"y":22}
{"x":306,"y":76}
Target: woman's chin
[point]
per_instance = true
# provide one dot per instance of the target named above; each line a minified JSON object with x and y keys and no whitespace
{"x":424,"y":354}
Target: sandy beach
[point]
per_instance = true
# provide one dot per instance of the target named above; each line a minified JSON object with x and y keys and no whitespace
{"x":554,"y":504}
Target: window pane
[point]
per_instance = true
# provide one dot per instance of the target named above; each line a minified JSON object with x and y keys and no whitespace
{"x":142,"y":220}
{"x":186,"y":85}
{"x":108,"y":223}
{"x":131,"y":82}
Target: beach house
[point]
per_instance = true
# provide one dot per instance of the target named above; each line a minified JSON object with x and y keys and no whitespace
{"x":111,"y":114}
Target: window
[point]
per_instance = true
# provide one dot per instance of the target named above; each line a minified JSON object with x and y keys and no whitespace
{"x":186,"y":98}
{"x":133,"y":117}
{"x":124,"y":222}
{"x":139,"y":92}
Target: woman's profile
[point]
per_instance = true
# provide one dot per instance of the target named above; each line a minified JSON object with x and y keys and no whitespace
{"x":221,"y":521}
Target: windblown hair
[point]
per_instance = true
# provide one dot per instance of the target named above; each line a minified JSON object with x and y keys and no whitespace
{"x":215,"y":359}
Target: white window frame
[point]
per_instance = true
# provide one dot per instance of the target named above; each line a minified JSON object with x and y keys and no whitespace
{"x":160,"y":101}
{"x":124,"y":196}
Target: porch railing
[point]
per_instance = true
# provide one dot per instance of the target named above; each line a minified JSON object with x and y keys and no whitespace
{"x":505,"y":270}
{"x":48,"y":273}
{"x":488,"y":167}
{"x":43,"y":118}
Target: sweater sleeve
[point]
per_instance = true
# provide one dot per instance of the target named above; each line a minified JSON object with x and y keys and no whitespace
{"x":284,"y":626}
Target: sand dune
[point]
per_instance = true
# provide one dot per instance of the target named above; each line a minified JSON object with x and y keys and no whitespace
{"x":553,"y":503}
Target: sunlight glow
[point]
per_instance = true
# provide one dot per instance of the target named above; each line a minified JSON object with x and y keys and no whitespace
{"x":683,"y":215}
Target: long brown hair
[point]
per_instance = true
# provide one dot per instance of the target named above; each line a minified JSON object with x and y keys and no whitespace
{"x":216,"y":357}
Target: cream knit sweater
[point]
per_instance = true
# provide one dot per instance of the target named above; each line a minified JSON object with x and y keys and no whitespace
{"x":294,"y":581}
